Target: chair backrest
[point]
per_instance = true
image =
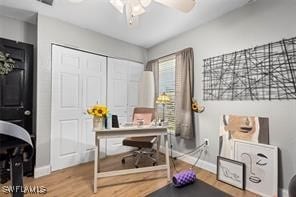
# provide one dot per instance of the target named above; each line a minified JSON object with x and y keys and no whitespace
{"x":144,"y":111}
{"x":292,"y":187}
{"x":15,"y":131}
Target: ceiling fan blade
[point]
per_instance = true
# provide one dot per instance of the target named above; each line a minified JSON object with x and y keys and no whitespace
{"x":48,"y":2}
{"x":182,"y":5}
{"x":118,"y":4}
{"x":145,"y":3}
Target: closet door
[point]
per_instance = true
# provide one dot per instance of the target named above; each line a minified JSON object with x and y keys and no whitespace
{"x":135,"y":71}
{"x":117,"y":99}
{"x":66,"y":107}
{"x":93,"y":91}
{"x":78,"y":82}
{"x":123,"y":80}
{"x":117,"y":88}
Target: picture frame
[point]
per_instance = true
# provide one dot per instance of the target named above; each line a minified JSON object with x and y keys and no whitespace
{"x":261,"y":161}
{"x":231,"y":172}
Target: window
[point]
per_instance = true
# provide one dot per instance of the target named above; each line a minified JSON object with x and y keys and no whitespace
{"x":167,"y":83}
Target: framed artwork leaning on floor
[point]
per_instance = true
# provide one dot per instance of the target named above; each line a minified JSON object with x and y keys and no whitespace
{"x":261,"y":163}
{"x":231,"y":172}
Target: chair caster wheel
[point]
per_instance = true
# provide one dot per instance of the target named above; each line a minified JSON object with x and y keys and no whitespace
{"x":154,"y":164}
{"x":136,"y":166}
{"x":123,"y":161}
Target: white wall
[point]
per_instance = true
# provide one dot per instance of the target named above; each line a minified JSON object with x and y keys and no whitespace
{"x":258,"y":23}
{"x":54,"y":31}
{"x":17,"y":30}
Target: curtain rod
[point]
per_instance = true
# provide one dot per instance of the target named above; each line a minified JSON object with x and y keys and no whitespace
{"x":174,"y":53}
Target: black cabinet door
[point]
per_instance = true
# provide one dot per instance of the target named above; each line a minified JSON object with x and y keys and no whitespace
{"x":16,"y":88}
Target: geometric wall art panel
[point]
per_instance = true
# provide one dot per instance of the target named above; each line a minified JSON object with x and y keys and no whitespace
{"x":266,"y":72}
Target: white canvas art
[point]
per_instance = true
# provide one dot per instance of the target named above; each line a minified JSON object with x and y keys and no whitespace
{"x":248,"y":128}
{"x":261,"y":163}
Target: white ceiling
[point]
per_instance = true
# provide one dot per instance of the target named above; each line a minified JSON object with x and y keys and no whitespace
{"x":158,"y":24}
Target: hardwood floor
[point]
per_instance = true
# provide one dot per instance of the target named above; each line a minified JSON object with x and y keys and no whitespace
{"x":77,"y":181}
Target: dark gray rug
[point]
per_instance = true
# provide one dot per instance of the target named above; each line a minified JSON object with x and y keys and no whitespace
{"x":198,"y":188}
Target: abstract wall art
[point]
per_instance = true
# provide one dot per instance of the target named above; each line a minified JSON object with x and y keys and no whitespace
{"x":261,"y":163}
{"x":266,"y":72}
{"x":249,"y":128}
{"x":231,"y":172}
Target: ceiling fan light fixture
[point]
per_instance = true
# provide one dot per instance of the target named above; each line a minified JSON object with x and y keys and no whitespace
{"x":181,"y":5}
{"x":136,"y":7}
{"x":132,"y":20}
{"x":118,"y":4}
{"x":138,"y":10}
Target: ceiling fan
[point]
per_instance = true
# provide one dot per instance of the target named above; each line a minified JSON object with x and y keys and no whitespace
{"x":135,"y":8}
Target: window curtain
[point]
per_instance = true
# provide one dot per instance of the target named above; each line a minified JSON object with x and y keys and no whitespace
{"x":154,"y":67}
{"x":184,"y":93}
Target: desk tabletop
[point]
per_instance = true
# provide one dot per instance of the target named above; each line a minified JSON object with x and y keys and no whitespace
{"x":133,"y":128}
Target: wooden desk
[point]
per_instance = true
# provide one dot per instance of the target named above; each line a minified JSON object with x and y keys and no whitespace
{"x":130,"y":132}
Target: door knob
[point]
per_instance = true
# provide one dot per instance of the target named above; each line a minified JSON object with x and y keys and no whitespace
{"x":27,"y":113}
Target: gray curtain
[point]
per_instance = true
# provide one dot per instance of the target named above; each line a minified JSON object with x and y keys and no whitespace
{"x":184,"y":93}
{"x":154,"y":67}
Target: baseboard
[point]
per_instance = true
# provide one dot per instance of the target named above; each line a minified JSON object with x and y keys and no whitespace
{"x":41,"y":171}
{"x":210,"y":167}
{"x":191,"y":160}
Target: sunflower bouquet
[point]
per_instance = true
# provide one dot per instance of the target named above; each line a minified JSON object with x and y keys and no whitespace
{"x":98,"y":111}
{"x":196,"y":107}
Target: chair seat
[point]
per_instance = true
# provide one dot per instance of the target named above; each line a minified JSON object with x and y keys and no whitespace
{"x":141,"y":142}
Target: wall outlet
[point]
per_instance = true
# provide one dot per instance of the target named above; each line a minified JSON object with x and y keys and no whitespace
{"x":206,"y":141}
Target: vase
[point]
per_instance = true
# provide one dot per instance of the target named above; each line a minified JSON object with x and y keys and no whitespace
{"x":99,"y":123}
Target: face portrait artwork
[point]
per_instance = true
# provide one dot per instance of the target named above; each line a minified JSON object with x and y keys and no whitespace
{"x":248,"y":128}
{"x":261,"y":164}
{"x":255,"y":166}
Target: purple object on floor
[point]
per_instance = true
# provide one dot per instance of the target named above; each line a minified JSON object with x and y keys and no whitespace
{"x":184,"y":178}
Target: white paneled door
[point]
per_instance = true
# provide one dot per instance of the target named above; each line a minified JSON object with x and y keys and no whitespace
{"x":78,"y":82}
{"x":123,"y":82}
{"x":117,"y":88}
{"x":135,"y":71}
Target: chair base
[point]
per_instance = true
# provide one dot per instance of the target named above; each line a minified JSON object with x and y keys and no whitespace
{"x":138,"y":154}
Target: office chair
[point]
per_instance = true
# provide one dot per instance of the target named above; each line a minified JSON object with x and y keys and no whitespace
{"x":292,"y":187}
{"x":16,"y":147}
{"x":144,"y":144}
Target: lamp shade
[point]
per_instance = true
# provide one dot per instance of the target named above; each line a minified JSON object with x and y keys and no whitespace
{"x":146,"y":90}
{"x":163,"y":99}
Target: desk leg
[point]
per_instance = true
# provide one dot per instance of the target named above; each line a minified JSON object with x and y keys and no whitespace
{"x":98,"y":154}
{"x":157,"y":149}
{"x":96,"y":169}
{"x":167,"y":159}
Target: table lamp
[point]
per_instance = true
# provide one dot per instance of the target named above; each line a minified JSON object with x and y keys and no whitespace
{"x":163,"y":99}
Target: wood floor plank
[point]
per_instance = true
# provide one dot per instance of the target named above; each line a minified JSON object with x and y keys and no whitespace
{"x":77,"y":181}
